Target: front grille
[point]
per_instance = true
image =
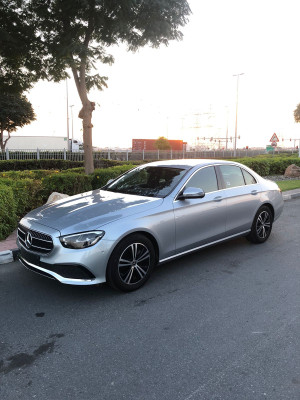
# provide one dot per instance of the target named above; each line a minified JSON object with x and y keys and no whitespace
{"x":40,"y":242}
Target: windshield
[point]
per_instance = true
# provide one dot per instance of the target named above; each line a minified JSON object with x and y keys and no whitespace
{"x":148,"y":181}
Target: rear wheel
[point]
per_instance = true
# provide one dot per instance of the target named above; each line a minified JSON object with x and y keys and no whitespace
{"x":131,"y":263}
{"x":261,"y":226}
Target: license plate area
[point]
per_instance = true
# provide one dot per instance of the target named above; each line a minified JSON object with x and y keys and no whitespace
{"x":29,"y":257}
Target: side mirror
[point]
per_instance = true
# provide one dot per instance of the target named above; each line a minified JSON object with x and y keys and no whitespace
{"x":191,"y":193}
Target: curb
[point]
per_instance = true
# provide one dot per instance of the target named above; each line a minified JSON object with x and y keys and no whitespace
{"x":8,"y":256}
{"x":290,"y":196}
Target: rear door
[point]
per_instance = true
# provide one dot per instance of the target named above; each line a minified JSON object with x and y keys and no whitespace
{"x":242,"y":193}
{"x":200,"y":221}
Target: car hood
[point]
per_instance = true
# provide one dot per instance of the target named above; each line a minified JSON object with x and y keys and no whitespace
{"x":90,"y":210}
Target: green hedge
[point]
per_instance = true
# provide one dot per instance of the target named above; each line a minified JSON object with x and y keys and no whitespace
{"x":66,"y":183}
{"x":269,"y":166}
{"x":8,"y":218}
{"x":101,"y":176}
{"x":105,"y":163}
{"x":21,"y":165}
{"x":27,"y":194}
{"x":32,"y":174}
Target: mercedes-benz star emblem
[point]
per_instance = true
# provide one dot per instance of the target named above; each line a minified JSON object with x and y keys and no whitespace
{"x":28,"y":240}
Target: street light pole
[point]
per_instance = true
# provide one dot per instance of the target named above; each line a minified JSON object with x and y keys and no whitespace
{"x":226,"y":128}
{"x":236,"y":111}
{"x":72,"y":126}
{"x":68,"y":134}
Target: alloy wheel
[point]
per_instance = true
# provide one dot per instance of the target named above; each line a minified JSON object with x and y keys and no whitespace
{"x":134,"y":263}
{"x":263,"y":224}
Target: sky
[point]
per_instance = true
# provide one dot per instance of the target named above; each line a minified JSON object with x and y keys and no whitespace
{"x":187,"y":90}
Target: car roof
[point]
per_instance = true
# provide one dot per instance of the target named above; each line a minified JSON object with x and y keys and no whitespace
{"x":188,"y":163}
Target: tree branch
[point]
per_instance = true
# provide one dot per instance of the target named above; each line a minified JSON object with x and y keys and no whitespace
{"x":6,"y":140}
{"x":83,"y":58}
{"x":77,"y":81}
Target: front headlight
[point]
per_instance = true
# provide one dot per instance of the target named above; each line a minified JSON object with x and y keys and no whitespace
{"x":81,"y":240}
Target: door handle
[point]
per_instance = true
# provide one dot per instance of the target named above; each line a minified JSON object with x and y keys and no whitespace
{"x":218,"y":198}
{"x":254,"y":192}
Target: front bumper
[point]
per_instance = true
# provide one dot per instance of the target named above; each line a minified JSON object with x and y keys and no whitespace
{"x":68,"y":266}
{"x":78,"y":275}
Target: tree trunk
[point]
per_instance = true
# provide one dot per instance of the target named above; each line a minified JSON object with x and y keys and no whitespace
{"x":86,"y":115}
{"x":2,"y":143}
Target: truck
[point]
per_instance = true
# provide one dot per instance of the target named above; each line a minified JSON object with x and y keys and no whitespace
{"x":20,"y":143}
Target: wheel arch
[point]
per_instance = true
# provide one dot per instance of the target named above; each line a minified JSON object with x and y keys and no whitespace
{"x":147,"y":235}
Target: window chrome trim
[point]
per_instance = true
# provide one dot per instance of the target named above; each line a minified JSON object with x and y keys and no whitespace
{"x":199,"y":169}
{"x":243,"y":169}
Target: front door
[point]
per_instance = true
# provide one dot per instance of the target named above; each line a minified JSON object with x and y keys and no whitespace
{"x":200,"y":221}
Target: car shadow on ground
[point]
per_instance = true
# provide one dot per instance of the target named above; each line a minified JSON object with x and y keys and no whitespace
{"x":184,"y":270}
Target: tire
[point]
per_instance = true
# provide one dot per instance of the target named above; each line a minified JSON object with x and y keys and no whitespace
{"x":131,"y":263}
{"x":261,"y":226}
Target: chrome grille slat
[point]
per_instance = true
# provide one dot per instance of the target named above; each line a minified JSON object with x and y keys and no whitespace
{"x":21,"y":230}
{"x":33,"y":246}
{"x":41,"y":242}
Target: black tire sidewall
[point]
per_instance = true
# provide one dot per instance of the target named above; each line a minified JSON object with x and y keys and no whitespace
{"x":112,"y":274}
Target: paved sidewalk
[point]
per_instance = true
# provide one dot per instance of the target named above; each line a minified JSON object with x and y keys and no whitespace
{"x":10,"y":242}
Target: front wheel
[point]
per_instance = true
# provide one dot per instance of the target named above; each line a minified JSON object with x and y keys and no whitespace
{"x":261,"y":226}
{"x":131,"y":263}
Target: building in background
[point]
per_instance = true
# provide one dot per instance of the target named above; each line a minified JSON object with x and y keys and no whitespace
{"x":149,"y":145}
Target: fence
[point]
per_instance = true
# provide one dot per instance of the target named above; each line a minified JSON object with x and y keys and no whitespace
{"x":128,"y":155}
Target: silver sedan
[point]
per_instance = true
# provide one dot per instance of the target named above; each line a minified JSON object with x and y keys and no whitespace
{"x":149,"y":215}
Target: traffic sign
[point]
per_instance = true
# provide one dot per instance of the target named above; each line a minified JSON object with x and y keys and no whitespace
{"x":274,"y":144}
{"x":274,"y":138}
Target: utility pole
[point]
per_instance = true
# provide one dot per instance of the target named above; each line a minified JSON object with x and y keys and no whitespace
{"x":236,"y":112}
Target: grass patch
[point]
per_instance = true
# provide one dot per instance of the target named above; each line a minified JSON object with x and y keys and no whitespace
{"x":289,"y":185}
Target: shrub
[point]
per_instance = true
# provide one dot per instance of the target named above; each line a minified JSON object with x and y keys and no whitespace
{"x":269,"y":165}
{"x":279,"y":165}
{"x":67,"y":183}
{"x":27,"y":194}
{"x":32,"y":174}
{"x":101,"y":176}
{"x":21,"y":165}
{"x":8,"y":218}
{"x":261,"y":166}
{"x":79,"y":170}
{"x":104,"y":163}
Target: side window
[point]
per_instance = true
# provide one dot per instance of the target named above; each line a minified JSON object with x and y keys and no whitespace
{"x":232,"y":176}
{"x":205,"y":179}
{"x":249,"y":179}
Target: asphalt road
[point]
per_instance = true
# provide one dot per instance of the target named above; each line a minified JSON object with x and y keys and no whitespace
{"x":219,"y":324}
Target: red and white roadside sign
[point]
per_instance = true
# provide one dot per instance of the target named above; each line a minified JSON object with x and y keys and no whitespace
{"x":274,"y":144}
{"x":274,"y":139}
